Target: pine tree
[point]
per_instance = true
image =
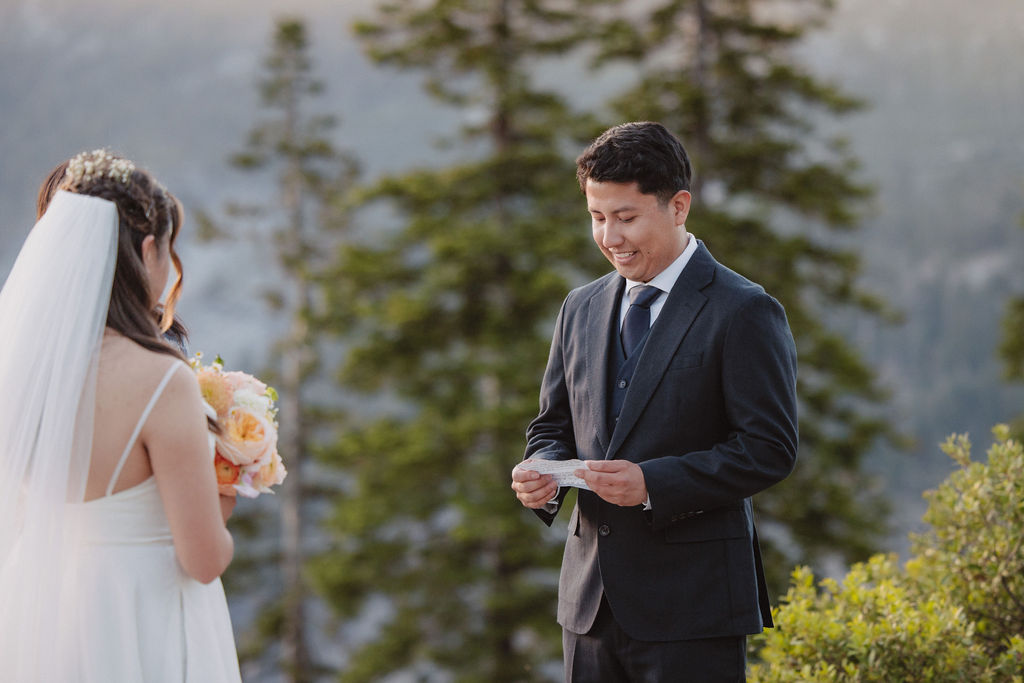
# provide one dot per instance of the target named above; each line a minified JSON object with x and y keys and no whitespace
{"x":1011,"y":347}
{"x":770,"y":196}
{"x":292,"y":148}
{"x":448,"y":308}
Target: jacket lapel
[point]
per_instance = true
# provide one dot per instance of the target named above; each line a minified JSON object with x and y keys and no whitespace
{"x":683,"y":304}
{"x":602,"y":310}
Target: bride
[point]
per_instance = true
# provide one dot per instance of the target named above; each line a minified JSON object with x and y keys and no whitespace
{"x":112,"y":534}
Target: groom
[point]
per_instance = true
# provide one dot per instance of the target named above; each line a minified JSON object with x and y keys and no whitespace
{"x":675,"y":379}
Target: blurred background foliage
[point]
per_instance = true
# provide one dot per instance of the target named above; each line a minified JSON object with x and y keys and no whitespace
{"x":386,"y":196}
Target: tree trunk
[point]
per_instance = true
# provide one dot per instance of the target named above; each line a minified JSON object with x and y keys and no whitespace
{"x":700,"y":142}
{"x":294,"y":653}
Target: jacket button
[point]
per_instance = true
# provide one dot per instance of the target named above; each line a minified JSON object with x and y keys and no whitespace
{"x":604,"y":530}
{"x":622,"y":384}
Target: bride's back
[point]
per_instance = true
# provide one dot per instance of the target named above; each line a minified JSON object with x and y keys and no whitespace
{"x":127,"y":378}
{"x":136,"y":364}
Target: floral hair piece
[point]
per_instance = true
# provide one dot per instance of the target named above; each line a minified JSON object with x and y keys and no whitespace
{"x":89,"y":166}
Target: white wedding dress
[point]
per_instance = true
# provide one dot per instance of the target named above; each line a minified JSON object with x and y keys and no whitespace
{"x":140,"y":618}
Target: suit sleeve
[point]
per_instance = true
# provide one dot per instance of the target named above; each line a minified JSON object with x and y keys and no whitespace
{"x":759,"y":389}
{"x":550,"y":435}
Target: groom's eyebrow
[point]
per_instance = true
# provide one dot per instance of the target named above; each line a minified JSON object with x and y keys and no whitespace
{"x":621,"y":209}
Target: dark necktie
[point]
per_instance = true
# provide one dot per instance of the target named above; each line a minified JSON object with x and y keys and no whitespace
{"x":638,"y":316}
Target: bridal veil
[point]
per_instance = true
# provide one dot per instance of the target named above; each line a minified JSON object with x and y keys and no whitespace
{"x":53,"y":310}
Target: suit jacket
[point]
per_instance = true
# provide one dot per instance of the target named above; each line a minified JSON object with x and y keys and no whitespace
{"x":710,"y":416}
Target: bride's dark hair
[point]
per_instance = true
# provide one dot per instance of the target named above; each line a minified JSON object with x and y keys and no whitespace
{"x":144,"y":208}
{"x":49,"y":188}
{"x":176,"y":332}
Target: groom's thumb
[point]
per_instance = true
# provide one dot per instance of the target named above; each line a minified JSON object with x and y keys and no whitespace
{"x":606,"y":465}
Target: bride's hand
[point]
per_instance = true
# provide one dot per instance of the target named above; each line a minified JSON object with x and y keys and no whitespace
{"x":227,"y":506}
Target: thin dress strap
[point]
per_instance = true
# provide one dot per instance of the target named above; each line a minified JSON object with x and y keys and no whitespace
{"x":142,"y":420}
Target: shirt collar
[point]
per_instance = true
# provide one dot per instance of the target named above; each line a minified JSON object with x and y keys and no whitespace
{"x":666,"y":279}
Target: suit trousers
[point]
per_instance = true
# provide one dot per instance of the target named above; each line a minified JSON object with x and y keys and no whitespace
{"x":606,"y":654}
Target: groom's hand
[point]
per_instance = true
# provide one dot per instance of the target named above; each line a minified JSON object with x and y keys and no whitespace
{"x":533,"y":489}
{"x":619,"y":482}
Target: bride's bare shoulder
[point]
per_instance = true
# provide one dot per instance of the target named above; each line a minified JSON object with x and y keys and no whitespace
{"x":128,"y":367}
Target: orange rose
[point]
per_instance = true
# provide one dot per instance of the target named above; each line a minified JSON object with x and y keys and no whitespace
{"x":227,"y":474}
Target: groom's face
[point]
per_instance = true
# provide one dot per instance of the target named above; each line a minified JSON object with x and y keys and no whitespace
{"x":638,"y":234}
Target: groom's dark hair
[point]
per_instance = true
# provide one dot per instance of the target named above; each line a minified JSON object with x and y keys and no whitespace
{"x":643,"y":152}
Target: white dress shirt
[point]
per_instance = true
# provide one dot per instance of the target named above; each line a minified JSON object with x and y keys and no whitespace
{"x":664,"y":281}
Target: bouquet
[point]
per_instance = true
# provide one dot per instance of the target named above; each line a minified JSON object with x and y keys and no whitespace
{"x":246,"y":460}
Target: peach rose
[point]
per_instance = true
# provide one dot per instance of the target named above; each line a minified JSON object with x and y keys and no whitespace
{"x":216,"y":390}
{"x":247,"y":438}
{"x":240,"y":380}
{"x":271,"y":474}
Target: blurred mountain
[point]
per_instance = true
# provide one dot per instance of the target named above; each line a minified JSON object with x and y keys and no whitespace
{"x":943,"y":141}
{"x":172,"y":85}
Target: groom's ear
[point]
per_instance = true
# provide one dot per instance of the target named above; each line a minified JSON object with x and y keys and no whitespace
{"x":681,"y":206}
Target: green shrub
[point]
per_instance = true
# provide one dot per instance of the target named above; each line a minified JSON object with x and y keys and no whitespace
{"x":953,"y":612}
{"x":974,"y":550}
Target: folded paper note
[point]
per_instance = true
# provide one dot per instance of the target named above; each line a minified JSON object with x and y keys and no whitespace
{"x":560,"y":470}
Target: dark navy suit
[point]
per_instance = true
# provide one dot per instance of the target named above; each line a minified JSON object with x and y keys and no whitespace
{"x":710,"y":415}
